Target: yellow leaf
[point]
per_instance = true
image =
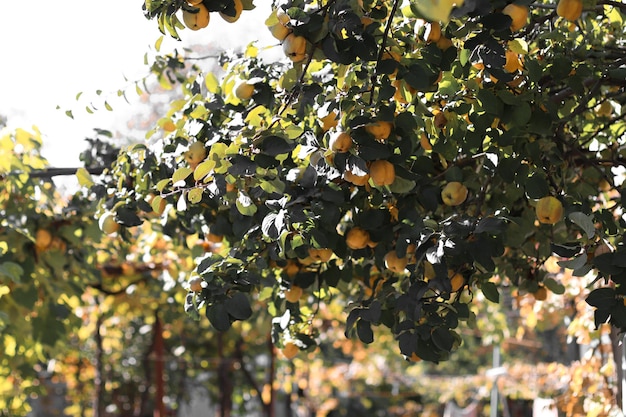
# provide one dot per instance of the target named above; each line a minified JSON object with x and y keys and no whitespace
{"x":195,"y":195}
{"x":203,"y":169}
{"x":211,"y":83}
{"x":181,"y":173}
{"x":437,"y":10}
{"x":157,"y":44}
{"x":251,"y":51}
{"x":84,"y":177}
{"x":519,"y":46}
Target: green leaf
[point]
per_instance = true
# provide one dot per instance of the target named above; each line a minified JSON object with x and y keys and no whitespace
{"x":602,"y":297}
{"x":364,"y":331}
{"x":491,"y":291}
{"x":245,"y":205}
{"x":12,"y":271}
{"x":238,"y":306}
{"x":489,"y":102}
{"x":576,"y":263}
{"x":585,"y":222}
{"x":219,"y":317}
{"x":443,"y":339}
{"x":554,"y":286}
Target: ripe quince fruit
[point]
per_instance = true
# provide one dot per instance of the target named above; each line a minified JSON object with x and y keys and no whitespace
{"x":295,"y":47}
{"x":549,"y":210}
{"x":518,"y":14}
{"x":199,"y":20}
{"x":454,"y":193}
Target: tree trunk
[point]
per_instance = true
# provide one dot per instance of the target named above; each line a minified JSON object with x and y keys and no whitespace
{"x":618,"y":357}
{"x":224,"y":380}
{"x":98,"y":400}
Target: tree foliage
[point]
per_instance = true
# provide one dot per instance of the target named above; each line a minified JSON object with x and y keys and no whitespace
{"x":459,"y":130}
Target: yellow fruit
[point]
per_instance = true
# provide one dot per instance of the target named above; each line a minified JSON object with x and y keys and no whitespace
{"x":214,"y":238}
{"x":107,"y":223}
{"x":454,"y":193}
{"x":194,"y":2}
{"x":425,"y":143}
{"x":518,"y":15}
{"x":569,"y":9}
{"x":414,"y":357}
{"x":238,"y":10}
{"x":43,"y":239}
{"x":195,"y":284}
{"x":196,"y":153}
{"x":196,"y":21}
{"x":292,"y":268}
{"x":356,"y":179}
{"x":380,"y":130}
{"x":321,"y":254}
{"x":394,"y":263}
{"x":541,"y":294}
{"x":513,"y":62}
{"x":243,"y":90}
{"x":433,"y":32}
{"x":169,"y":126}
{"x":283,"y":17}
{"x":456,"y":280}
{"x":340,"y":142}
{"x":290,"y":350}
{"x":549,"y":210}
{"x":444,"y":43}
{"x":382,"y":173}
{"x":279,"y":31}
{"x":295,"y":47}
{"x":357,"y":238}
{"x":293,"y":294}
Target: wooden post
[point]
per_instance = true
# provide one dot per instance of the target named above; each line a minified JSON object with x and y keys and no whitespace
{"x":159,"y":360}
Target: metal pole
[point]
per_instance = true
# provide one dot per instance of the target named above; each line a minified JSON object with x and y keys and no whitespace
{"x":623,"y":374}
{"x":493,"y":409}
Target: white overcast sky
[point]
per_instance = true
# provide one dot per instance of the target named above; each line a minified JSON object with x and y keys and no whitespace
{"x":52,"y":50}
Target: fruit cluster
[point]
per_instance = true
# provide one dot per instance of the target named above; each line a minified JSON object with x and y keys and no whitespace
{"x":196,"y":14}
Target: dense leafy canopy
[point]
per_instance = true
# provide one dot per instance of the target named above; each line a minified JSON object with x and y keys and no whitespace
{"x":458,"y":131}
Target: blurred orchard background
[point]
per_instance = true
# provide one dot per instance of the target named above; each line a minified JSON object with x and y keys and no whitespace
{"x":136,"y":353}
